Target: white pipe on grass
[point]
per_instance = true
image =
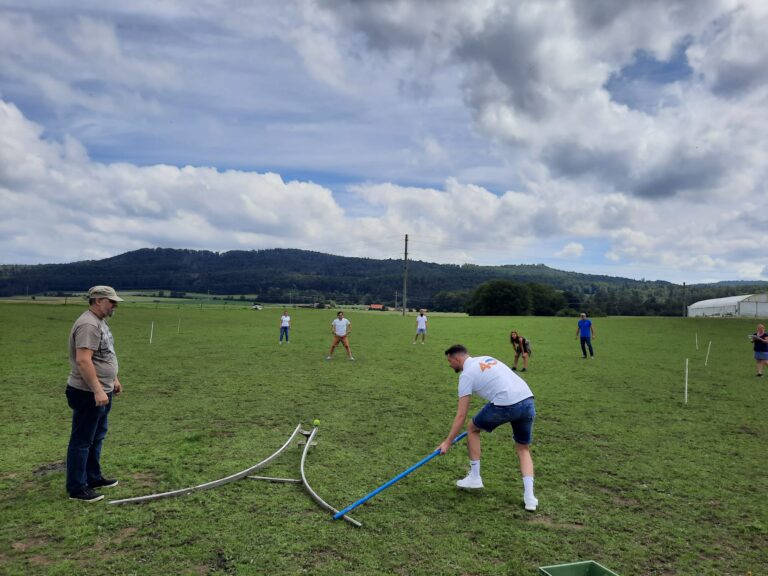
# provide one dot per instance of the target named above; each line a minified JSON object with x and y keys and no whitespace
{"x":151,"y":331}
{"x":707,"y":358}
{"x":214,"y":483}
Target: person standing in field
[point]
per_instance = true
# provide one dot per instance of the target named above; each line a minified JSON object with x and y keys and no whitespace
{"x":285,"y":326}
{"x":421,"y":327}
{"x":585,"y":332}
{"x":760,"y":346}
{"x":92,"y":382}
{"x":340,"y":328}
{"x":510,"y":400}
{"x":522,"y":348}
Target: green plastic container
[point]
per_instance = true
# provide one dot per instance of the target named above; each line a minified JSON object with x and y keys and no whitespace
{"x":588,"y":568}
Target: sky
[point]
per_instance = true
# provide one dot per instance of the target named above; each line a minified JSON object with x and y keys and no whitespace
{"x":622,"y":138}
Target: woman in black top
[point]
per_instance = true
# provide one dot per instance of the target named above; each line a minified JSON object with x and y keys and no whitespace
{"x":522,"y":348}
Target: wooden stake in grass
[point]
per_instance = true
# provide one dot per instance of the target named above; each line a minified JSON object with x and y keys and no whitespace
{"x":151,"y":331}
{"x":707,"y":358}
{"x":686,"y":380}
{"x":697,"y":340}
{"x":178,"y":328}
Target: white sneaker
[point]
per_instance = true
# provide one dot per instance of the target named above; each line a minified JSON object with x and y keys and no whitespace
{"x":351,"y":358}
{"x":327,"y":357}
{"x":531,"y":504}
{"x":470,"y":482}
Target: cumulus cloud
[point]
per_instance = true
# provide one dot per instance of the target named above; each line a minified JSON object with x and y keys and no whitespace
{"x":629,"y":135}
{"x":571,"y":250}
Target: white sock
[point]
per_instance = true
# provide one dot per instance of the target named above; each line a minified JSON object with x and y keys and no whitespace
{"x":474,"y":468}
{"x":528,"y":487}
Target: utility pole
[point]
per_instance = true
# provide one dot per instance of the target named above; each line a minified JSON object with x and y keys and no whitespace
{"x":405,"y":274}
{"x":685,"y":308}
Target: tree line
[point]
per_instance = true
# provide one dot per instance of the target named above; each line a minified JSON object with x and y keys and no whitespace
{"x":300,"y":276}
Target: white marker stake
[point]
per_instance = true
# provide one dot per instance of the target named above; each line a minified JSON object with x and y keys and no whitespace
{"x":178,"y":328}
{"x":686,"y":380}
{"x":707,"y":358}
{"x":151,"y":331}
{"x":697,"y":340}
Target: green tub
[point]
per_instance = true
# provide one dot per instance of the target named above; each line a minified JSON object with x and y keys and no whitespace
{"x":588,"y":568}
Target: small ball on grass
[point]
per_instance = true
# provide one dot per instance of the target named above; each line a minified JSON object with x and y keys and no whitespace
{"x":315,"y":422}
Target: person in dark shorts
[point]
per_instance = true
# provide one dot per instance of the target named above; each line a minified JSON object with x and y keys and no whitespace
{"x":522,"y":348}
{"x":510,"y":400}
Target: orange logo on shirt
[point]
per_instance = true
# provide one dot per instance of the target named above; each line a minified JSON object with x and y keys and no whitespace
{"x":489,"y":363}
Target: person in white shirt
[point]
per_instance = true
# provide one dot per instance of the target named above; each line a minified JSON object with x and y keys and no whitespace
{"x":285,"y":326}
{"x":421,"y":327}
{"x":340,"y":328}
{"x":509,"y":400}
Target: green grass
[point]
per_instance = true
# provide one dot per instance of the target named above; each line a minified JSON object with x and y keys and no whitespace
{"x":627,"y":475}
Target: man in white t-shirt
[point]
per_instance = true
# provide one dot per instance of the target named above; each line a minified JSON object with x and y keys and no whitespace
{"x":285,"y":326}
{"x":340,"y":328}
{"x":509,"y":400}
{"x":421,"y":327}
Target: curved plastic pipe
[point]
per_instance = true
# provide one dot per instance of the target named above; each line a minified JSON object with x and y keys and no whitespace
{"x":214,"y":483}
{"x":312,"y":493}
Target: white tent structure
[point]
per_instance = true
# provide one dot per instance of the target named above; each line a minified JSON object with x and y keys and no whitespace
{"x":747,"y":306}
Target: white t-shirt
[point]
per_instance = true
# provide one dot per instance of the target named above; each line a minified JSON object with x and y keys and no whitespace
{"x":421,"y":322}
{"x":285,"y":321}
{"x":340,"y":326}
{"x":493,"y":380}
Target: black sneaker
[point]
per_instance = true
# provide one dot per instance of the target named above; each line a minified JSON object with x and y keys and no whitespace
{"x":87,"y":495}
{"x":524,"y":370}
{"x":103,"y":483}
{"x":514,"y":368}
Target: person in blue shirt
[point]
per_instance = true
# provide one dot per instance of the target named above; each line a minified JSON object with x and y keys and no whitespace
{"x":585,"y":332}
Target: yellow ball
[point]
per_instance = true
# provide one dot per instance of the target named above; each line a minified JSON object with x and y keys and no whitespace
{"x":315,"y":422}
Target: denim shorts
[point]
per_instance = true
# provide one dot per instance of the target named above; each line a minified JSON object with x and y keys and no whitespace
{"x":520,"y":416}
{"x":761,"y":355}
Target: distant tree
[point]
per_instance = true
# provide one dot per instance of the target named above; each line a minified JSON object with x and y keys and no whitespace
{"x":500,"y":298}
{"x":545,"y":300}
{"x":450,"y":301}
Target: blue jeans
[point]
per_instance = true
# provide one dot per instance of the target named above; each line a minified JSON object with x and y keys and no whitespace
{"x":284,"y":330}
{"x":586,"y":341}
{"x":89,"y":428}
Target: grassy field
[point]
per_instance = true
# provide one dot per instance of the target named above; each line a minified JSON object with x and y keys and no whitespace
{"x":627,"y":475}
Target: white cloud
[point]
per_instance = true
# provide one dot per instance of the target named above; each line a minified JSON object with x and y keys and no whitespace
{"x":571,"y":250}
{"x":490,"y":131}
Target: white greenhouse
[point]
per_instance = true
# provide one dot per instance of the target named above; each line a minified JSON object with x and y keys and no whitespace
{"x":747,"y":306}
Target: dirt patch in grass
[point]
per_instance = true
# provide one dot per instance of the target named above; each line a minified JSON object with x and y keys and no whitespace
{"x":144,"y":479}
{"x":24,"y":545}
{"x":549,"y":523}
{"x":124,"y":534}
{"x":50,"y":468}
{"x":40,"y":560}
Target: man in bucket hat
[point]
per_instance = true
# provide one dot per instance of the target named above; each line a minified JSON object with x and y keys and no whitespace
{"x":90,"y":386}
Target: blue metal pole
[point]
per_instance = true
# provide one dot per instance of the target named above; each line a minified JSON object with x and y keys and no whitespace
{"x":389,"y":483}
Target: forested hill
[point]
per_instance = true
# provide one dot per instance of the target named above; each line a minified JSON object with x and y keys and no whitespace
{"x":264,"y":272}
{"x":282,"y":275}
